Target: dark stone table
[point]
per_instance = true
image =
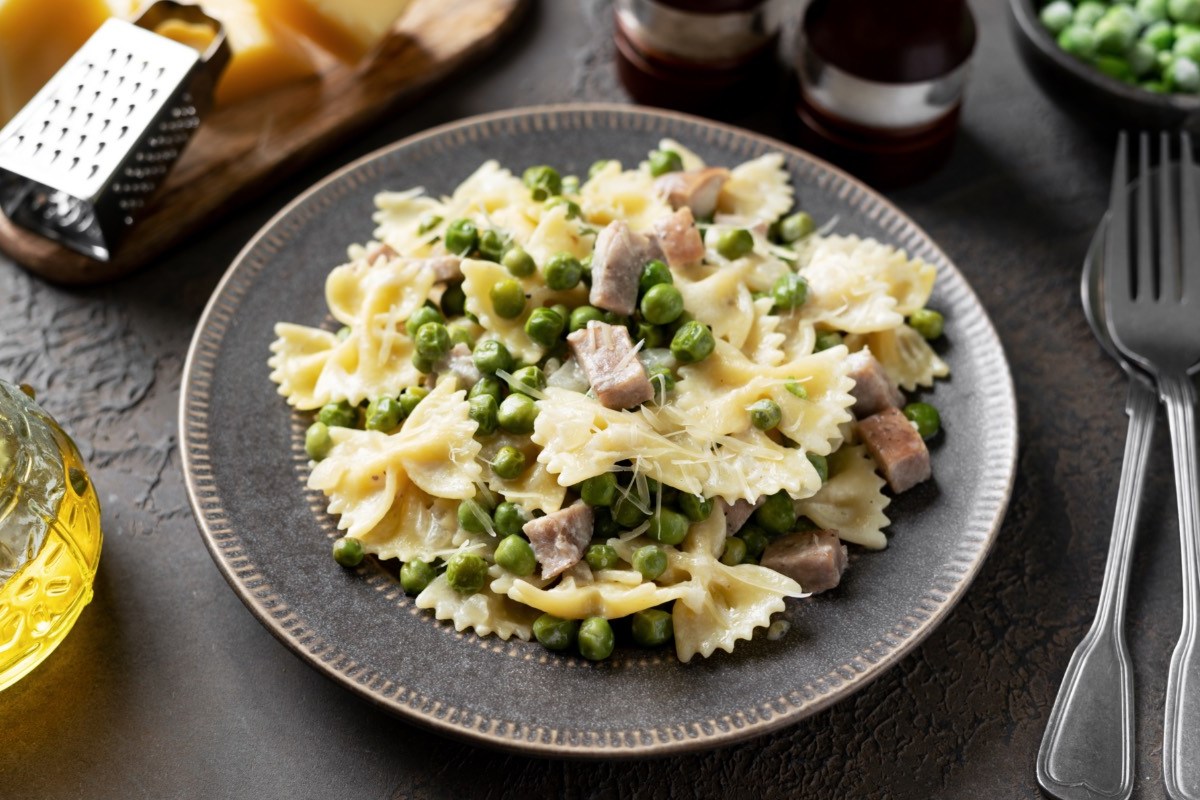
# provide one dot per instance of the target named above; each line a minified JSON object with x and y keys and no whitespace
{"x":169,"y":688}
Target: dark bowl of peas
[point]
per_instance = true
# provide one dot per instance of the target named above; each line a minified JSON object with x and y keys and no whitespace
{"x":1116,"y":63}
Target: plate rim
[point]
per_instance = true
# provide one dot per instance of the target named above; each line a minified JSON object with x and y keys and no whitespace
{"x":625,"y":744}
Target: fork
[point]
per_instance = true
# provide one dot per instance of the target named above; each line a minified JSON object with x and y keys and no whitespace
{"x":1152,"y":300}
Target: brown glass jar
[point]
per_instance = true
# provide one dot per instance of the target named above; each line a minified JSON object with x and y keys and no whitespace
{"x":706,"y":56}
{"x":880,"y":83}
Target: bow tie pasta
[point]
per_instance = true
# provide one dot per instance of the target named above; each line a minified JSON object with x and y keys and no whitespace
{"x":658,"y":394}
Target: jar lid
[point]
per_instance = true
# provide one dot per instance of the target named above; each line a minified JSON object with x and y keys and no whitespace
{"x":32,"y":479}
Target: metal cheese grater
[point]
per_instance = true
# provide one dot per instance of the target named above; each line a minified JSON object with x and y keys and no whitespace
{"x":80,"y":162}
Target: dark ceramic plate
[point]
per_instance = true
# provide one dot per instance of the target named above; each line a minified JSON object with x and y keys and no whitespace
{"x":1089,"y":93}
{"x":270,"y":536}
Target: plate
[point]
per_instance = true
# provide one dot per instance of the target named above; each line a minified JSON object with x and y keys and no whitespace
{"x":245,"y":469}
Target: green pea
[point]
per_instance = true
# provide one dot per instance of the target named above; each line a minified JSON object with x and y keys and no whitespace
{"x":491,"y":356}
{"x":542,"y":182}
{"x":317,"y":441}
{"x":796,"y":226}
{"x":601,"y":556}
{"x":384,"y":413}
{"x":797,"y":388}
{"x":1159,"y":35}
{"x":599,"y":490}
{"x":596,"y":639}
{"x":734,"y":552}
{"x":1117,"y":30}
{"x":651,"y":335}
{"x":1188,"y":46}
{"x":462,"y":236}
{"x":1079,"y":41}
{"x":585,"y":263}
{"x":926,"y":418}
{"x":777,"y":514}
{"x":562,"y":272}
{"x":508,"y":298}
{"x":735,"y":243}
{"x":492,"y":245}
{"x":603,"y":524}
{"x":1089,"y":12}
{"x":1158,"y":87}
{"x":1056,"y":16}
{"x":820,"y":464}
{"x":664,"y":161}
{"x":415,"y":575}
{"x":555,"y":633}
{"x":581,"y":316}
{"x":411,"y":397}
{"x":517,"y":413}
{"x":1150,"y":10}
{"x":650,"y":560}
{"x":510,"y":519}
{"x":573,"y":209}
{"x":654,"y":273}
{"x":663,"y":381}
{"x":432,"y":341}
{"x":1115,"y":68}
{"x":692,"y":342}
{"x":422,"y":316}
{"x":616,"y":319}
{"x":1184,"y":76}
{"x":423,"y":364}
{"x":668,"y":527}
{"x":427,"y":222}
{"x":487,"y":385}
{"x":597,"y":167}
{"x":484,"y":410}
{"x":804,"y":525}
{"x":627,"y":514}
{"x":927,"y":322}
{"x":826,"y":340}
{"x":471,"y":516}
{"x":789,"y":292}
{"x":1142,"y":59}
{"x":528,"y":380}
{"x":765,"y":414}
{"x":755,"y":541}
{"x":348,"y":551}
{"x":652,"y":627}
{"x":1187,"y":11}
{"x":516,"y":555}
{"x":695,"y":507}
{"x":461,"y":334}
{"x":344,"y":333}
{"x":466,"y":572}
{"x":338,"y":415}
{"x":662,"y":304}
{"x":518,"y":262}
{"x":545,"y":326}
{"x":509,"y":462}
{"x":570,"y":184}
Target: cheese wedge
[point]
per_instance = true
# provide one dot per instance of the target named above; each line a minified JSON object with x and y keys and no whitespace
{"x":347,"y":29}
{"x":36,"y":39}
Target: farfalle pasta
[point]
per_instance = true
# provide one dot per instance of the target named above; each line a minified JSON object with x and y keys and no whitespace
{"x":655,"y":394}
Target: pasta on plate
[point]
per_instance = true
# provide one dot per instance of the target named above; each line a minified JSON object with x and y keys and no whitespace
{"x":649,"y":404}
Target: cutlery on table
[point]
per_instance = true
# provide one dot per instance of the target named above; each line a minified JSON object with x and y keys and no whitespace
{"x":1087,"y":749}
{"x":1152,"y":309}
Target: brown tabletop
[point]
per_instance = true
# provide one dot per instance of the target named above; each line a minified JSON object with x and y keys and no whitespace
{"x":169,"y":688}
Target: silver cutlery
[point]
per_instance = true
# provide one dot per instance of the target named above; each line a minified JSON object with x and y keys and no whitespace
{"x":1152,"y":308}
{"x":1087,"y":749}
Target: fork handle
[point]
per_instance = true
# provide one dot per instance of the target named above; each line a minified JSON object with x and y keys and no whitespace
{"x":1181,"y":727}
{"x":1087,"y":750}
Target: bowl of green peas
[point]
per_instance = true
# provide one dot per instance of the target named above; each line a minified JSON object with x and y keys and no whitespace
{"x":1124,"y":63}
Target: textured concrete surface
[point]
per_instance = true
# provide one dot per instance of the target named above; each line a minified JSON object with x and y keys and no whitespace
{"x":169,"y":688}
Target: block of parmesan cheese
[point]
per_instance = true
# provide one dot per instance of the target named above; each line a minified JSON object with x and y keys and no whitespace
{"x":36,"y":39}
{"x":347,"y":29}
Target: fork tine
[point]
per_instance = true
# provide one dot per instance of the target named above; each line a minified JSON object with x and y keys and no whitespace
{"x":1168,"y":215}
{"x":1118,"y":290}
{"x":1189,"y":221}
{"x":1145,"y":223}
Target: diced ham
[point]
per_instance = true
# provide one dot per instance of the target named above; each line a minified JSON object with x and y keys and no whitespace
{"x":873,"y":391}
{"x":459,"y":363}
{"x":737,"y":514}
{"x":376,"y":250}
{"x":444,"y":268}
{"x":696,"y":189}
{"x":617,"y":262}
{"x":898,"y":450}
{"x":813,"y":559}
{"x":678,"y":238}
{"x":605,"y":354}
{"x":559,"y":539}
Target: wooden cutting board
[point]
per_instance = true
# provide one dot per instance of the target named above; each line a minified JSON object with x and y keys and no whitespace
{"x":241,"y":150}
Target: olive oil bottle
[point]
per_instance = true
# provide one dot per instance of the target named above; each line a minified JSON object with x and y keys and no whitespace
{"x":49,"y":534}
